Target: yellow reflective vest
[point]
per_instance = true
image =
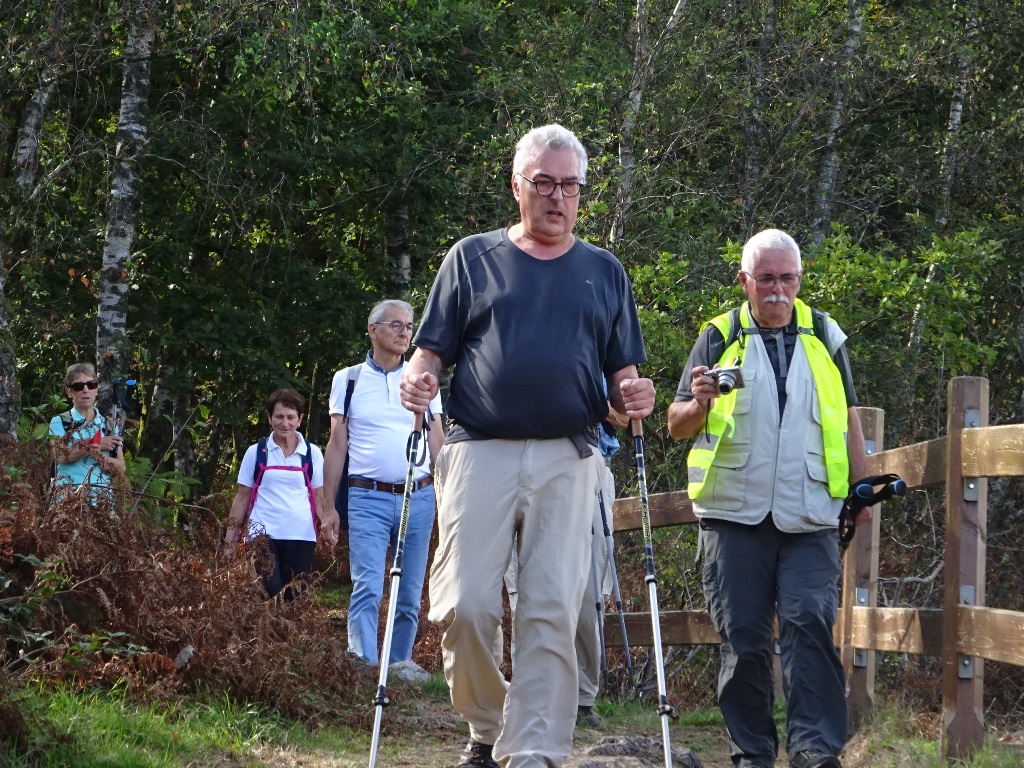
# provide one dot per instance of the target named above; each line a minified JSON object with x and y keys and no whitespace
{"x":828,"y":383}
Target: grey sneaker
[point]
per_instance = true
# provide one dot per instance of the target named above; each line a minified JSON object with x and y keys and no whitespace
{"x":477,"y":755}
{"x":810,"y":759}
{"x":585,"y":715}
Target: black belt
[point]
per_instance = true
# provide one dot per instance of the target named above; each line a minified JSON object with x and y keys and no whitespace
{"x":396,"y":488}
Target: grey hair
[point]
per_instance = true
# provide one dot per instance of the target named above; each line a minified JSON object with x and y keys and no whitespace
{"x":76,"y":370}
{"x":552,"y":136}
{"x":381,"y":308}
{"x":767,"y":239}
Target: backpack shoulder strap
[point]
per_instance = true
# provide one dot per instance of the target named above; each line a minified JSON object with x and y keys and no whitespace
{"x":350,"y":387}
{"x":68,"y":422}
{"x":734,"y":327}
{"x":261,"y":463}
{"x":820,"y":323}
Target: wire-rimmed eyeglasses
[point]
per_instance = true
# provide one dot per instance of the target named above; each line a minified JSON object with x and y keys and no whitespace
{"x":546,"y":187}
{"x":398,"y":326}
{"x":787,"y":280}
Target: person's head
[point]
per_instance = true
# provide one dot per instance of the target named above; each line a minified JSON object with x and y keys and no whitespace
{"x":81,"y":385}
{"x":390,"y":327}
{"x":770,"y":275}
{"x":546,"y":155}
{"x":285,"y":408}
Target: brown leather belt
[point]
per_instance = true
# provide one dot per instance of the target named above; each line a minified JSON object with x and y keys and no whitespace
{"x":395,"y":488}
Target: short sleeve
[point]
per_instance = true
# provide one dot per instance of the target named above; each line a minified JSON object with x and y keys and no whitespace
{"x":706,"y":351}
{"x":338,"y":386}
{"x":318,"y":466}
{"x":245,"y":472}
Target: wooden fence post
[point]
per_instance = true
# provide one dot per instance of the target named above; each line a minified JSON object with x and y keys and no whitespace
{"x":860,"y":587}
{"x":963,"y":723}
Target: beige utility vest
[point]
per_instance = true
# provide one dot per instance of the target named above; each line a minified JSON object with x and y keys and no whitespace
{"x":765,"y":466}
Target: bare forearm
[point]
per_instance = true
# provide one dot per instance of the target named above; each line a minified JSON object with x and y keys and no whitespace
{"x":425,"y":361}
{"x":686,"y":419}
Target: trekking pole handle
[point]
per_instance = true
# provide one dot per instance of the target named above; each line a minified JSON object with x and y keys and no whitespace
{"x":636,"y":428}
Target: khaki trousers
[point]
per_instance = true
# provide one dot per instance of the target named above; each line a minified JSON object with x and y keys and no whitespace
{"x":493,"y":494}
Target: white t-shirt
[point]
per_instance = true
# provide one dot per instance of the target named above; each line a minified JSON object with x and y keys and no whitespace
{"x":378,"y":424}
{"x":282,"y":509}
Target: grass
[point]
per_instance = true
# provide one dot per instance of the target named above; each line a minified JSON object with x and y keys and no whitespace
{"x":103,"y":729}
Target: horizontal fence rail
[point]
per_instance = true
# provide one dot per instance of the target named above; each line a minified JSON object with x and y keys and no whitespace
{"x":963,"y":633}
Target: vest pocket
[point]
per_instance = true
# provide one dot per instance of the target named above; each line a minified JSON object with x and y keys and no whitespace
{"x":729,"y":478}
{"x":820,"y":505}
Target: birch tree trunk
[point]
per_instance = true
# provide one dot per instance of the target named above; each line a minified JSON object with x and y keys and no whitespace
{"x":157,"y":428}
{"x":644,"y":56}
{"x":398,"y":248}
{"x":26,"y":151}
{"x":753,"y":125}
{"x":837,"y":118}
{"x":26,"y":166}
{"x":111,"y":321}
{"x":947,"y":171}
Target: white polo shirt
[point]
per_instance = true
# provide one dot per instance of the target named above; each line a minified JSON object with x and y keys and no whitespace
{"x":282,"y":509}
{"x":378,"y":425}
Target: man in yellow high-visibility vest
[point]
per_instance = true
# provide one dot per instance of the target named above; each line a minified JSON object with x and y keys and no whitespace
{"x":769,"y":468}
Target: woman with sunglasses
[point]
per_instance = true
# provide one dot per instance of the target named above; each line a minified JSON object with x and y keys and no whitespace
{"x":87,"y":455}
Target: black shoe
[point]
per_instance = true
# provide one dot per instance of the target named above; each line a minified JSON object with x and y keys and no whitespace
{"x":811,"y":759}
{"x":477,"y":755}
{"x":585,"y":715}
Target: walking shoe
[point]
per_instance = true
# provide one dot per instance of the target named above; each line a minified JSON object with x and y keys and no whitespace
{"x":477,"y":755}
{"x":585,"y":715}
{"x":810,"y":759}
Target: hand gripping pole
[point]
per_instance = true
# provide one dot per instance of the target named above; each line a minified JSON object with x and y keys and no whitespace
{"x":416,"y":452}
{"x":664,"y":708}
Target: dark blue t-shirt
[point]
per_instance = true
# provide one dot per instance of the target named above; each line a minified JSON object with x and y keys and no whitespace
{"x":531,"y":339}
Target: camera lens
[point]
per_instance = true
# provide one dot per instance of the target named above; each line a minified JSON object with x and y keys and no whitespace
{"x":726,"y":382}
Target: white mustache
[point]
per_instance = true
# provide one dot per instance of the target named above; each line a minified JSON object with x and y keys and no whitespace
{"x":776,"y":298}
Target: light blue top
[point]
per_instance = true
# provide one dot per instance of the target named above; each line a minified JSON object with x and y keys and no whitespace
{"x":85,"y":469}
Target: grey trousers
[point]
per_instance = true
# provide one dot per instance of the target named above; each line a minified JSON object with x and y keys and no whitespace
{"x":753,"y":573}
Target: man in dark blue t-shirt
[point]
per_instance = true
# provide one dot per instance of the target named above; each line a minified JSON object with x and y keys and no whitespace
{"x":536,"y":322}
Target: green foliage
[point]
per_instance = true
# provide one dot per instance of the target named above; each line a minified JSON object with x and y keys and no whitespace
{"x":19,"y":605}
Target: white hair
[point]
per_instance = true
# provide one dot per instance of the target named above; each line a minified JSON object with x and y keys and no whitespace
{"x":552,"y":136}
{"x":767,"y":239}
{"x":381,"y":307}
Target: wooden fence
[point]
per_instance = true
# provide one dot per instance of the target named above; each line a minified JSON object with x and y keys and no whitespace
{"x":962,"y":633}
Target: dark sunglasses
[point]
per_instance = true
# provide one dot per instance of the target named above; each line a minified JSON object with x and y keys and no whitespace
{"x":78,"y":386}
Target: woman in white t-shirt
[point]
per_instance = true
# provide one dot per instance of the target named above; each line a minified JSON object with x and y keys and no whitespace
{"x":280,"y":496}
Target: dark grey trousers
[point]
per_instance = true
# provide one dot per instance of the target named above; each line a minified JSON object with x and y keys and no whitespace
{"x":753,"y":573}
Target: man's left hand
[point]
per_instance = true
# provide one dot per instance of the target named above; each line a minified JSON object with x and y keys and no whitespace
{"x":330,"y":525}
{"x":637,"y":397}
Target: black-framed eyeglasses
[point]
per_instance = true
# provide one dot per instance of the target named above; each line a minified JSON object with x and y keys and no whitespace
{"x":78,"y":386}
{"x":397,"y":325}
{"x":546,"y":187}
{"x":787,"y":280}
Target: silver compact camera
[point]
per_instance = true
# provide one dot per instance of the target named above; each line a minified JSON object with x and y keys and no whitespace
{"x":728,"y":379}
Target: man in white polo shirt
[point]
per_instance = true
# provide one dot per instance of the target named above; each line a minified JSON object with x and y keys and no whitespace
{"x":372,"y":429}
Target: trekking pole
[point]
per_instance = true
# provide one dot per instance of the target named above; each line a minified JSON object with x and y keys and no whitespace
{"x":664,"y":708}
{"x":615,"y":588}
{"x":381,"y":700}
{"x":595,"y":579}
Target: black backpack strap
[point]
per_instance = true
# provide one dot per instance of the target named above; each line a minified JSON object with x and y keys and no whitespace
{"x":261,"y":463}
{"x":350,"y":387}
{"x":68,"y":422}
{"x":734,"y":327}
